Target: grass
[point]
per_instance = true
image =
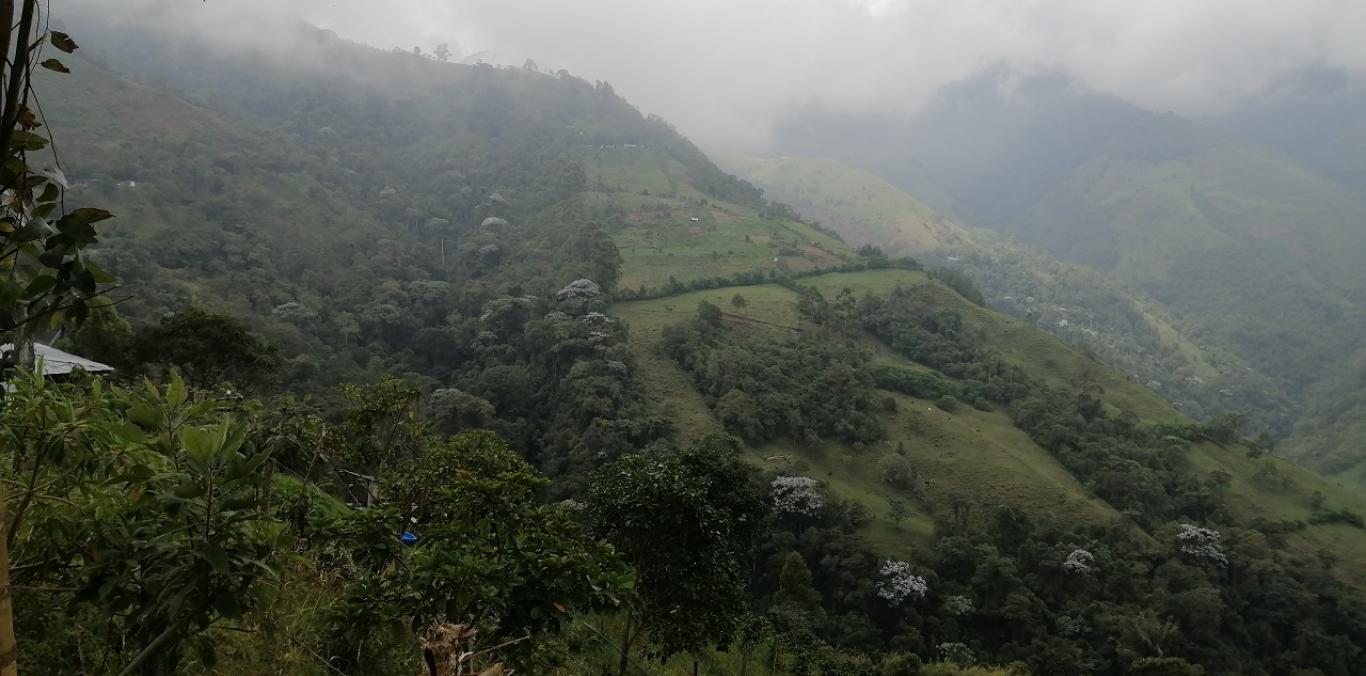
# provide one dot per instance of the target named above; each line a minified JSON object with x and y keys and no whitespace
{"x":975,"y":455}
{"x":861,"y":206}
{"x":1251,"y":498}
{"x":978,"y":456}
{"x":659,"y":239}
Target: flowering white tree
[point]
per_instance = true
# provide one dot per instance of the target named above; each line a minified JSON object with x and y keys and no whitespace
{"x":797,"y":495}
{"x":1079,"y":561}
{"x":1201,"y":543}
{"x":899,"y":583}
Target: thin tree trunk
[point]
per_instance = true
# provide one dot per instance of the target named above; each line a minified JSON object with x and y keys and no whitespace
{"x":625,"y":647}
{"x":18,"y":77}
{"x":9,"y":649}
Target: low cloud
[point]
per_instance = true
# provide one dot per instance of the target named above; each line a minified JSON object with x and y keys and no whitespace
{"x":724,"y":70}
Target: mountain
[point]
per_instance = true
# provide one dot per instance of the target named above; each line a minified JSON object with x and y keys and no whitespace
{"x":248,"y":183}
{"x":439,"y":149}
{"x":308,"y":190}
{"x":1127,"y":330}
{"x":923,"y":476}
{"x":1220,"y":232}
{"x":1313,"y":116}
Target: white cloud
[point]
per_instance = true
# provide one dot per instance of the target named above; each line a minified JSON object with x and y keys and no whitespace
{"x":723,"y":69}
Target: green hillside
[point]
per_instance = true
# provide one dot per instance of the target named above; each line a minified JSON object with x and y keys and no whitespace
{"x":666,"y":228}
{"x":1133,"y":333}
{"x":863,"y":208}
{"x":980,"y":454}
{"x":1219,"y":233}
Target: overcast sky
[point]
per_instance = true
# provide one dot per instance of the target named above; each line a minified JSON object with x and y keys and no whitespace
{"x":723,"y":69}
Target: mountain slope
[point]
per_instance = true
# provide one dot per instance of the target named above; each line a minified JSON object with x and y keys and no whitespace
{"x":330,"y":205}
{"x":1313,"y":116}
{"x":1132,"y":333}
{"x":974,"y":453}
{"x":1250,"y":252}
{"x":861,"y":207}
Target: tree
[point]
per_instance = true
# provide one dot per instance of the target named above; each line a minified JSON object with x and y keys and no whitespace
{"x":737,"y":301}
{"x":489,"y":554}
{"x":44,"y":277}
{"x":208,"y":349}
{"x":896,"y":509}
{"x":685,"y":521}
{"x":451,"y":411}
{"x":797,"y":606}
{"x":442,"y":52}
{"x":104,"y":336}
{"x":380,"y":425}
{"x":897,"y":471}
{"x":709,"y":314}
{"x":143,"y":507}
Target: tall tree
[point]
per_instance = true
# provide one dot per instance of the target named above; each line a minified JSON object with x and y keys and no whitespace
{"x":209,"y":349}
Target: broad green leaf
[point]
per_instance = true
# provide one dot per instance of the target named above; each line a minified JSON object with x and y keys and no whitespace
{"x":148,"y":416}
{"x":55,"y":65}
{"x":200,"y":444}
{"x":90,"y":215}
{"x":188,"y":490}
{"x":127,"y":432}
{"x":40,"y":285}
{"x":27,"y":140}
{"x":233,"y":436}
{"x":32,"y":231}
{"x":63,"y":42}
{"x":176,"y":394}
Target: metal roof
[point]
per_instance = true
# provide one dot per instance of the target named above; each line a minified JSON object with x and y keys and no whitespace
{"x":56,"y":362}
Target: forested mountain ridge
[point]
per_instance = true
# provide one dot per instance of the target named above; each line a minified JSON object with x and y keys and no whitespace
{"x":493,"y":165}
{"x":926,"y":484}
{"x":1220,"y":231}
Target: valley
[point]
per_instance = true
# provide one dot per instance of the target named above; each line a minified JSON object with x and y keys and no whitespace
{"x":420,"y":365}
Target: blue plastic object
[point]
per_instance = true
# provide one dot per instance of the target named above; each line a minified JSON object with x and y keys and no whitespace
{"x":408,"y":538}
